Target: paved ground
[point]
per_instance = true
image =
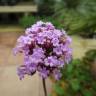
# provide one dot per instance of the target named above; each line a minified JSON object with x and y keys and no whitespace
{"x":10,"y":85}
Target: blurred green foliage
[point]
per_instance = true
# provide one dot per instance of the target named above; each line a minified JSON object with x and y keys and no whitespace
{"x":27,"y":21}
{"x":90,"y":57}
{"x":77,"y":77}
{"x":77,"y":16}
{"x":45,"y":7}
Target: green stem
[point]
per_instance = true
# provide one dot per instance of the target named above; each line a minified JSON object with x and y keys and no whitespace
{"x":44,"y":86}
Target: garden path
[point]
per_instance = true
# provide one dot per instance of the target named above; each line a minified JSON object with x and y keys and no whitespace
{"x":10,"y":85}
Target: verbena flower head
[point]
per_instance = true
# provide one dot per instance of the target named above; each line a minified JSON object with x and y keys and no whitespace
{"x":45,"y":49}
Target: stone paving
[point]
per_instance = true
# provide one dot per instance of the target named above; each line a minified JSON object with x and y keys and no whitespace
{"x":10,"y":85}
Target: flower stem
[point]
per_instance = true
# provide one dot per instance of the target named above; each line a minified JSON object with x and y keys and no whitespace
{"x":44,"y":86}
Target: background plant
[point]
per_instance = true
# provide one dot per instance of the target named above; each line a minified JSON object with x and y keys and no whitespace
{"x":77,"y":16}
{"x":90,"y":57}
{"x":45,"y":7}
{"x":26,"y":21}
{"x":77,"y":80}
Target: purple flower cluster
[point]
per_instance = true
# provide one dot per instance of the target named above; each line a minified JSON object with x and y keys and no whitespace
{"x":46,"y":50}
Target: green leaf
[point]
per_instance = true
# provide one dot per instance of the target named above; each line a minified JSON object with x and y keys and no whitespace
{"x":69,"y":68}
{"x":58,"y":89}
{"x":87,"y":93}
{"x":75,"y":84}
